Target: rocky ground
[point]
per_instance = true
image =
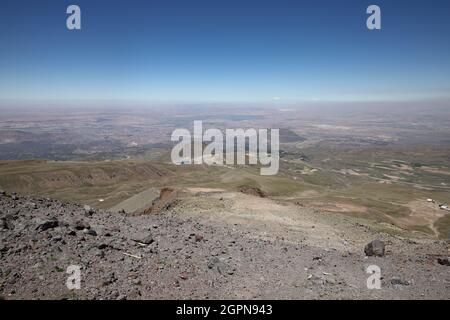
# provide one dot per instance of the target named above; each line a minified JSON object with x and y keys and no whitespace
{"x":174,"y":255}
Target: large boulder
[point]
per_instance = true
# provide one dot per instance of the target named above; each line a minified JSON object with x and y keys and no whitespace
{"x":375,"y":248}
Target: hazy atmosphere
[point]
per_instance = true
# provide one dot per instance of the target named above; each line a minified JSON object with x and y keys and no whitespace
{"x":216,"y":150}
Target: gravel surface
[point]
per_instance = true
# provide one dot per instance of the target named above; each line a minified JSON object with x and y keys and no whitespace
{"x":169,"y":255}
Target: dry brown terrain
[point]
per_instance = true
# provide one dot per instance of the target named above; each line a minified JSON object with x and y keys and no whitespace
{"x":251,"y":248}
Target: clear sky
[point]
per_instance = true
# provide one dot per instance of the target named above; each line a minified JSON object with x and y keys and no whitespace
{"x":225,"y":50}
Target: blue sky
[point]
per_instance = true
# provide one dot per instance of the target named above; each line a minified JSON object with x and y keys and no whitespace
{"x":227,"y":50}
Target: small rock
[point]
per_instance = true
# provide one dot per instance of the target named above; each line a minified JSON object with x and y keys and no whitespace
{"x":444,"y":261}
{"x":216,"y":264}
{"x":57,"y":239}
{"x":322,"y":279}
{"x":43,"y":225}
{"x":136,"y":282}
{"x":81,"y":225}
{"x":375,"y":248}
{"x":32,"y":205}
{"x":399,"y":282}
{"x":88,"y":211}
{"x":183,"y":276}
{"x":230,"y":272}
{"x":99,"y":253}
{"x":212,"y":262}
{"x":6,"y":223}
{"x":145,"y":239}
{"x":108,"y":279}
{"x":90,"y":232}
{"x":134,"y":294}
{"x":148,"y":240}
